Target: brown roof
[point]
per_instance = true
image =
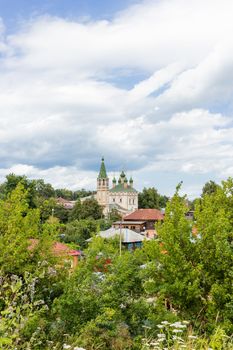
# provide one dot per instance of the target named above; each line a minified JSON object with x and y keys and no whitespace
{"x":145,"y":214}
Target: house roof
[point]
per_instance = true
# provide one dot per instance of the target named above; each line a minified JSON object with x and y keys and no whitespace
{"x":59,"y":249}
{"x":65,"y":203}
{"x":145,"y":215}
{"x":128,"y":236}
{"x":122,"y":188}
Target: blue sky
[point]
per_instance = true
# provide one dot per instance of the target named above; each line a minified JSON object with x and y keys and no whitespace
{"x":136,"y":81}
{"x":14,"y":11}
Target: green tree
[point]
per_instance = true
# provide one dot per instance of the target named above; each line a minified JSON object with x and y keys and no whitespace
{"x":43,"y":189}
{"x":114,"y":215}
{"x":195,"y":261}
{"x":90,"y":208}
{"x":18,"y":224}
{"x":64,"y":193}
{"x":78,"y":231}
{"x":214,"y":222}
{"x":150,"y":198}
{"x":209,"y":188}
{"x":13,"y":180}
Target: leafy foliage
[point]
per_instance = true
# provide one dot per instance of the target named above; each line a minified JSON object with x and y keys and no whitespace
{"x":90,"y":208}
{"x":209,"y":188}
{"x":136,"y":300}
{"x":150,"y":198}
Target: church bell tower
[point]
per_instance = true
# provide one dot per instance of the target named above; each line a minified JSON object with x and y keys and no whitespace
{"x":103,"y":187}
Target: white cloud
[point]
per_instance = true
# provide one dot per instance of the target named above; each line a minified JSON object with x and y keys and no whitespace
{"x":58,"y":176}
{"x":62,"y":105}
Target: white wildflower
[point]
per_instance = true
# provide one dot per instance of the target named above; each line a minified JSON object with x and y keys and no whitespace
{"x":192,"y":337}
{"x":161,"y":335}
{"x":165,"y":322}
{"x":160,"y":326}
{"x":66,"y":346}
{"x":161,"y":339}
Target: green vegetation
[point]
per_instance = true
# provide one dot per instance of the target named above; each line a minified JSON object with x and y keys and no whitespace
{"x":174,"y":293}
{"x":88,"y":209}
{"x":150,"y":198}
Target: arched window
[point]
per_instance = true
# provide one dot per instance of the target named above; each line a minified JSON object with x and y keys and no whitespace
{"x":120,"y":200}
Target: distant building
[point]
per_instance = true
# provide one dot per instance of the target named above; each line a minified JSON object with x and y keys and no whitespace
{"x":65,"y":203}
{"x":130,"y":239}
{"x":121,"y":196}
{"x":62,"y":251}
{"x":142,"y":219}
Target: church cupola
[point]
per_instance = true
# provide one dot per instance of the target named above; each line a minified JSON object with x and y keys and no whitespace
{"x":122,"y":175}
{"x":131,"y":182}
{"x":114,"y":182}
{"x":125,"y":182}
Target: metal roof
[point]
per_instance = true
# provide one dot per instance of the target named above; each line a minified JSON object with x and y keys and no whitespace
{"x":128,"y":236}
{"x":122,"y":188}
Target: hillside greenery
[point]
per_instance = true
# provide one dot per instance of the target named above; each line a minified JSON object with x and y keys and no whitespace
{"x":174,"y":293}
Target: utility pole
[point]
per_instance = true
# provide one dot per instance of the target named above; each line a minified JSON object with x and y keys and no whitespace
{"x":120,"y":234}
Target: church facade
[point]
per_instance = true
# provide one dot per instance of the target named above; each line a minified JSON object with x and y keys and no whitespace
{"x":121,"y":196}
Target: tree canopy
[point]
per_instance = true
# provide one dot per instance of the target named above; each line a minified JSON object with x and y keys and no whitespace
{"x":150,"y":198}
{"x":177,"y":288}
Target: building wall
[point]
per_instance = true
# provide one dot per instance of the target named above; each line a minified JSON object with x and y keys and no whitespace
{"x":102,"y":193}
{"x":127,"y":200}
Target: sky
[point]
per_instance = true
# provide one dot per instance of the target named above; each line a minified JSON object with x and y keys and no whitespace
{"x":146,"y":84}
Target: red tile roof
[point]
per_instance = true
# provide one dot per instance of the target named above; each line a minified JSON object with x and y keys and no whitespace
{"x":58,"y":248}
{"x":145,"y":214}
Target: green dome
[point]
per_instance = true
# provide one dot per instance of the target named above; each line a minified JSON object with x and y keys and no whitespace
{"x":131,"y":180}
{"x":122,"y":174}
{"x":114,"y":180}
{"x":125,"y":180}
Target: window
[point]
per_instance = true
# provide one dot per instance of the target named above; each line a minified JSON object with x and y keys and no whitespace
{"x":113,"y":200}
{"x":130,"y":246}
{"x":120,"y":200}
{"x":133,"y":201}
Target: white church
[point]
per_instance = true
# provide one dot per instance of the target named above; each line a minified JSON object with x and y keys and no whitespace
{"x":122,"y":196}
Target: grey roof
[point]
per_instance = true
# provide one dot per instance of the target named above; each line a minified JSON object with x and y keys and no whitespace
{"x":128,"y":236}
